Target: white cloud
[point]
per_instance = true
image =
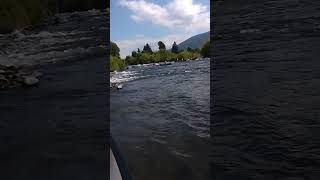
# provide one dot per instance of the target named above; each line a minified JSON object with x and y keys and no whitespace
{"x":183,"y":14}
{"x":127,"y":46}
{"x":136,"y":18}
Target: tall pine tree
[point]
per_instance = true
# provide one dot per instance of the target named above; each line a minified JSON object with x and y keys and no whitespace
{"x":175,"y":48}
{"x":147,"y":49}
{"x":161,"y":45}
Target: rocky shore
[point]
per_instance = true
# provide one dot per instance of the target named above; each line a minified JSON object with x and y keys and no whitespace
{"x":12,"y":76}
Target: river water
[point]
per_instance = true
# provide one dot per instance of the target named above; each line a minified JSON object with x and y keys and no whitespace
{"x":65,"y":36}
{"x":161,"y":119}
{"x":266,"y":90}
{"x":57,"y":130}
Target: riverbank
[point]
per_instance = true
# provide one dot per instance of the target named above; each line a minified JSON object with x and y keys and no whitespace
{"x":78,"y":36}
{"x":20,"y":14}
{"x":147,"y":56}
{"x":117,"y":64}
{"x":117,"y":78}
{"x":11,"y":76}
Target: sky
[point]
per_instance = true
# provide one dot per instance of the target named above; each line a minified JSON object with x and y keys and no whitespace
{"x":133,"y":23}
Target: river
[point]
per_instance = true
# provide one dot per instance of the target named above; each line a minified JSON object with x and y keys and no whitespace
{"x":161,"y":119}
{"x":57,"y":130}
{"x":65,"y":36}
{"x":266,"y":90}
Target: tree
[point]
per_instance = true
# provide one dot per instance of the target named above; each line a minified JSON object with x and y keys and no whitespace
{"x":189,"y":49}
{"x":205,"y":50}
{"x":196,"y":50}
{"x":147,"y":49}
{"x":161,"y":45}
{"x":138,"y":50}
{"x":116,"y":64}
{"x":114,"y":49}
{"x":134,"y":54}
{"x":175,"y":48}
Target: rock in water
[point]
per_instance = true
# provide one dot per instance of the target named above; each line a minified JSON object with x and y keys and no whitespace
{"x":119,"y":86}
{"x":116,"y":86}
{"x":3,"y":78}
{"x":30,"y":80}
{"x":37,"y":74}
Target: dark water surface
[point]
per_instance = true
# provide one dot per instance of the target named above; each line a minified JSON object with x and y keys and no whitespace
{"x":266,"y":90}
{"x":58,"y":130}
{"x":161,"y":120}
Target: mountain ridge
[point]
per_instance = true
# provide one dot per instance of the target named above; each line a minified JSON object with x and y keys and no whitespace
{"x":196,"y":41}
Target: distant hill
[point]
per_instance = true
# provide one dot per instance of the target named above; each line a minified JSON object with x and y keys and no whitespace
{"x":196,"y":41}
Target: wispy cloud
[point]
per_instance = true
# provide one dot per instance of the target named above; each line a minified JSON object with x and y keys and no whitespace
{"x":127,"y":46}
{"x":184,"y":14}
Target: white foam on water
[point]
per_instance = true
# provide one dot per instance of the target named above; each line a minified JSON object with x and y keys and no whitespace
{"x":185,"y":155}
{"x":123,"y":76}
{"x":243,"y":31}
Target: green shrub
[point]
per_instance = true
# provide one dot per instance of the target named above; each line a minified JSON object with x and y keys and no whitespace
{"x":116,"y":64}
{"x":19,"y":14}
{"x":205,"y":50}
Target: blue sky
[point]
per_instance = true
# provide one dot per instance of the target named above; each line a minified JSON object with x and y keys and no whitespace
{"x":134,"y":23}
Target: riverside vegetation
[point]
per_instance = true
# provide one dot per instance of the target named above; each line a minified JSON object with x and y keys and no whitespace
{"x":26,"y":15}
{"x":147,"y":56}
{"x":22,"y":14}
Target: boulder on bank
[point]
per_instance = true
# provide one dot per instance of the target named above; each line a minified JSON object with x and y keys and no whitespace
{"x":116,"y":86}
{"x":30,"y":80}
{"x":12,"y":76}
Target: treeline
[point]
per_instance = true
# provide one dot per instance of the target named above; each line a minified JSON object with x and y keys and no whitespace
{"x":174,"y":54}
{"x":146,"y":55}
{"x":20,"y":14}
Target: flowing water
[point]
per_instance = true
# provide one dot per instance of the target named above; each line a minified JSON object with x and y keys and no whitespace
{"x":57,"y":130}
{"x":65,"y":36}
{"x":266,"y":90}
{"x":161,"y":119}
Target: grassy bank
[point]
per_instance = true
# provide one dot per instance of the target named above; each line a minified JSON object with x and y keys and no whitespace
{"x":161,"y":56}
{"x":117,"y":64}
{"x":145,"y":57}
{"x":21,"y":14}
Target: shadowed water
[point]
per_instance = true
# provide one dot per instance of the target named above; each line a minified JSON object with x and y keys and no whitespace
{"x":266,"y":90}
{"x":161,"y":120}
{"x":59,"y":129}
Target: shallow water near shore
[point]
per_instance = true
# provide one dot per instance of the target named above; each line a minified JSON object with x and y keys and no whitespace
{"x":161,"y":119}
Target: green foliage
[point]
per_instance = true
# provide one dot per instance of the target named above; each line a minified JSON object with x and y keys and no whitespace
{"x":196,"y":50}
{"x":145,"y":57}
{"x":21,"y":14}
{"x":116,"y":64}
{"x":161,"y":56}
{"x":205,"y":50}
{"x":134,"y":54}
{"x":147,"y":49}
{"x":114,"y":49}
